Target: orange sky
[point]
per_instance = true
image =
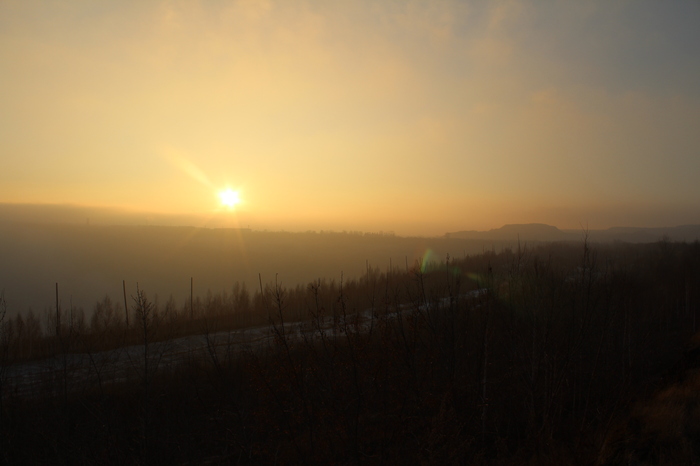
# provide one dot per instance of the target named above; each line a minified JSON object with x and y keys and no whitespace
{"x":408,"y":116}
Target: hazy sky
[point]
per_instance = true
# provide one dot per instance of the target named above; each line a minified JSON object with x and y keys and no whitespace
{"x":413,"y":116}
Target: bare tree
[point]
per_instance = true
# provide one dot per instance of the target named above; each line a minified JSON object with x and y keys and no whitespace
{"x":155,"y":345}
{"x":4,"y":350}
{"x":143,"y":311}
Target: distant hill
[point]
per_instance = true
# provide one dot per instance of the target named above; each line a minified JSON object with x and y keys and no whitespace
{"x":69,"y":214}
{"x":524,"y":232}
{"x":539,"y":232}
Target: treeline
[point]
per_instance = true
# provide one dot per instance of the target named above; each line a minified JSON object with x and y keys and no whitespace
{"x":28,"y":336}
{"x":408,"y":365}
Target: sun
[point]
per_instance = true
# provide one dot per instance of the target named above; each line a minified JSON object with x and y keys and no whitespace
{"x":229,"y":198}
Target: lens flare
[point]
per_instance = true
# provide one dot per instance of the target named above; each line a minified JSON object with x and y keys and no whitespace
{"x":429,"y":258}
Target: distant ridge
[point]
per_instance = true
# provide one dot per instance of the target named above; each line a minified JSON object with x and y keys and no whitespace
{"x":71,"y":214}
{"x":524,"y":232}
{"x":540,"y":232}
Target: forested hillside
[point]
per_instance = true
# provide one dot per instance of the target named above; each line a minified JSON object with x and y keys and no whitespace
{"x":546,"y":355}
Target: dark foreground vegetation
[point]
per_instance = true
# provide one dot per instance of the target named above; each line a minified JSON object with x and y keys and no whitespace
{"x":568,"y":355}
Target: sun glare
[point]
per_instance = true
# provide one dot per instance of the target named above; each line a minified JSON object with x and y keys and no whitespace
{"x":229,"y":198}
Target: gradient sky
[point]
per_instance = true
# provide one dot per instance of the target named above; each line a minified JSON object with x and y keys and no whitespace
{"x":412,"y":116}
